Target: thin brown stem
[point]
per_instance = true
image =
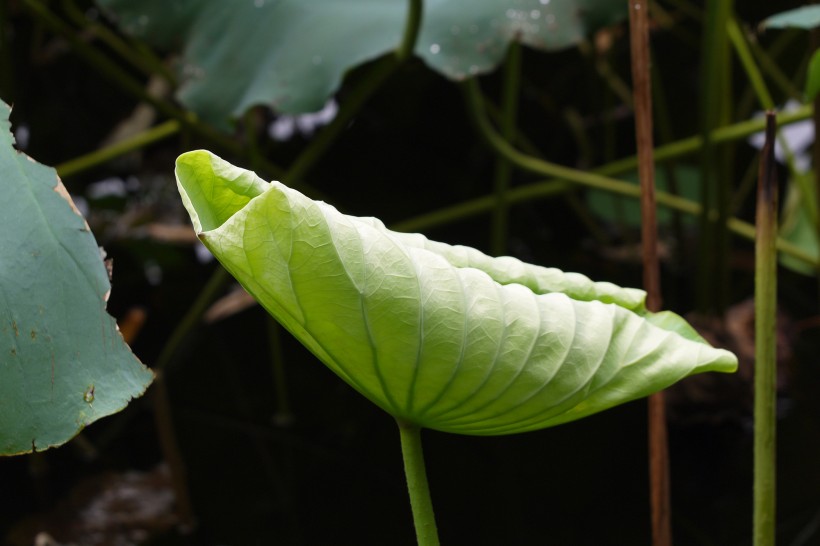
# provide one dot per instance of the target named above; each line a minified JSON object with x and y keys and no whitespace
{"x":642,"y":98}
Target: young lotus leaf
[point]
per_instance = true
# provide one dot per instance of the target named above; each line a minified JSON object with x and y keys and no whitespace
{"x":440,"y":336}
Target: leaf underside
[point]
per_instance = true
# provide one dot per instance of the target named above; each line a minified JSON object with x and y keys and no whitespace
{"x":441,"y":336}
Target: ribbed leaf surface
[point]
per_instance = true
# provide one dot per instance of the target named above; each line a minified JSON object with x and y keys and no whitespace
{"x":441,"y":336}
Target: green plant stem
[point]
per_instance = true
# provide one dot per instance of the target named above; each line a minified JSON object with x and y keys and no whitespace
{"x":120,"y":77}
{"x":208,"y":293}
{"x":284,"y":415}
{"x":767,"y":63}
{"x":747,"y":61}
{"x":97,"y":157}
{"x":715,"y":182}
{"x":169,"y":446}
{"x":605,"y":72}
{"x":411,"y":30}
{"x":539,"y":166}
{"x":765,"y":346}
{"x":144,"y":61}
{"x":416,"y":474}
{"x":357,"y":97}
{"x":598,"y":178}
{"x":481,"y":205}
{"x":503,"y":168}
{"x":815,"y":151}
{"x":765,"y":99}
{"x":116,"y":74}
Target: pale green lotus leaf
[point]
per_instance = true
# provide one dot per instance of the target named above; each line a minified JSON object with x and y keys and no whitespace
{"x":441,"y":336}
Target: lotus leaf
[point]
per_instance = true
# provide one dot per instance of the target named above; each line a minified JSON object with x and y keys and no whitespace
{"x":440,"y":336}
{"x":293,"y":54}
{"x":63,"y":362}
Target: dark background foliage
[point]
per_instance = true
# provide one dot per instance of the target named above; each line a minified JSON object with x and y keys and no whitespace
{"x":329,"y":470}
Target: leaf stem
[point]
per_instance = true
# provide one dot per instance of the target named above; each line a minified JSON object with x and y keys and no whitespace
{"x":356,"y":98}
{"x":411,"y":30}
{"x":715,"y":188}
{"x":208,"y":293}
{"x":741,"y":46}
{"x":119,"y":76}
{"x":597,"y":178}
{"x":144,"y":60}
{"x":765,"y":345}
{"x":97,"y":157}
{"x":414,"y":470}
{"x":503,"y":168}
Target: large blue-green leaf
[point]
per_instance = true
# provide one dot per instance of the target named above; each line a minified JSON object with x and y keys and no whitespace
{"x":805,"y":17}
{"x":441,"y":336}
{"x":63,"y":362}
{"x":292,"y":54}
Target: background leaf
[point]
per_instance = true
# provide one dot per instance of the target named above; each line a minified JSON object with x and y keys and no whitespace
{"x":620,"y":210}
{"x":425,"y":330}
{"x":798,"y":228}
{"x":292,"y":54}
{"x":805,"y":17}
{"x":63,"y":362}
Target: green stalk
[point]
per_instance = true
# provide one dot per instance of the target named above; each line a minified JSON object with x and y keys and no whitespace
{"x":503,"y":168}
{"x":120,"y":77}
{"x":765,"y":346}
{"x":358,"y":96}
{"x":481,"y":205}
{"x":768,"y":64}
{"x":747,"y":61}
{"x":596,"y":179}
{"x":144,"y":60}
{"x":411,"y":30}
{"x":136,"y":142}
{"x":815,"y":152}
{"x":539,"y":166}
{"x":283,"y":415}
{"x":713,"y":265}
{"x":207,"y":295}
{"x":423,"y":517}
